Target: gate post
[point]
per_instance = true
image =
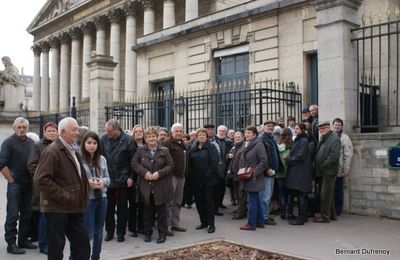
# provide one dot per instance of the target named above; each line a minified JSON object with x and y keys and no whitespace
{"x":337,"y":75}
{"x":101,"y":69}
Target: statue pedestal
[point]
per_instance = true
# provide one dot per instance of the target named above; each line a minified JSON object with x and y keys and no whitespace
{"x":13,"y":96}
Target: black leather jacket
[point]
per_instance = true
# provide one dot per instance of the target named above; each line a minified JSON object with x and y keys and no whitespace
{"x":119,"y":154}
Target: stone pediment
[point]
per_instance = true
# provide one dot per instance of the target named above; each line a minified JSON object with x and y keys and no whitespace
{"x":53,"y":9}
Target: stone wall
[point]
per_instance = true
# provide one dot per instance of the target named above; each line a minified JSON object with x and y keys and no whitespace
{"x":373,"y":188}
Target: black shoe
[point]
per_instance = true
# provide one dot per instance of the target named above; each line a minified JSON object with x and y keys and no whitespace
{"x":238,"y":217}
{"x":201,"y":226}
{"x":13,"y":249}
{"x":270,"y":222}
{"x":120,"y":238}
{"x":147,"y":238}
{"x":211,"y":229}
{"x":297,"y":221}
{"x":161,"y":239}
{"x":44,"y":251}
{"x":283,"y":216}
{"x":27,"y":245}
{"x":133,"y":234}
{"x":32,"y":239}
{"x":217,"y":213}
{"x":109,"y":237}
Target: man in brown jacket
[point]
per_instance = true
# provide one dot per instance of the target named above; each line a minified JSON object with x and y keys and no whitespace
{"x":179,"y":155}
{"x":63,"y":187}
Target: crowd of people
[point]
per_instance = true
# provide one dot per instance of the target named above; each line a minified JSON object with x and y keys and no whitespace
{"x":75,"y":184}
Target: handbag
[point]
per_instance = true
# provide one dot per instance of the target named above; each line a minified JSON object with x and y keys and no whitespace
{"x":246,"y":173}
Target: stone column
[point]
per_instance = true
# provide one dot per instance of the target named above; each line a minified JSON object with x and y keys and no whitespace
{"x":191,"y":10}
{"x":149,"y":19}
{"x":337,"y":75}
{"x":115,"y":34}
{"x":130,"y":56}
{"x":44,"y":86}
{"x":101,"y":76}
{"x":64,"y":73}
{"x":87,"y":29}
{"x":36,"y":77}
{"x":55,"y":75}
{"x":100,"y":22}
{"x":76,"y":34}
{"x":169,"y":14}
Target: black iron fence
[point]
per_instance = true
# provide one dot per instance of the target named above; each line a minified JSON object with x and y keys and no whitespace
{"x":81,"y":114}
{"x":378,"y":76}
{"x":234,"y":105}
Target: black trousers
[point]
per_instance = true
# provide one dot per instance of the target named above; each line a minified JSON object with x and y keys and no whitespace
{"x":149,"y":213}
{"x":72,"y":226}
{"x":219,"y":193}
{"x":204,"y":198}
{"x":187,"y":193}
{"x":241,"y":200}
{"x":135,"y":219}
{"x":117,"y":197}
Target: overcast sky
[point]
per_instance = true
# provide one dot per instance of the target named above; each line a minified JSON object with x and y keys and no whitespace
{"x":16,"y":42}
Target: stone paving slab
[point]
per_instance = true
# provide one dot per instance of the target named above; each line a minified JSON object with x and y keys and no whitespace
{"x":311,"y":241}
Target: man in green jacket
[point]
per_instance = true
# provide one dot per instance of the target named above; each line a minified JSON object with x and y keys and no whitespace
{"x":327,"y":165}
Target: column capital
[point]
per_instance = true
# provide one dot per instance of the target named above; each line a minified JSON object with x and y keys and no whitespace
{"x":100,"y":21}
{"x":115,"y":15}
{"x":87,"y":27}
{"x":64,"y":38}
{"x":54,"y":42}
{"x":326,"y":4}
{"x":147,"y":3}
{"x":75,"y":33}
{"x":130,"y":8}
{"x":45,"y":47}
{"x":36,"y":49}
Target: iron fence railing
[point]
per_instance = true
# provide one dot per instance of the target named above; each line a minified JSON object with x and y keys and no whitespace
{"x":231,"y":105}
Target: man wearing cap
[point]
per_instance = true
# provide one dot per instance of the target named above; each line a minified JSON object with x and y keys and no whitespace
{"x":327,"y":167}
{"x":273,"y":167}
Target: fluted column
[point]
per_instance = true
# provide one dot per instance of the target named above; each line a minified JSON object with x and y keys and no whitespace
{"x":100,"y":22}
{"x":130,"y":55}
{"x":76,"y":34}
{"x":169,"y":14}
{"x":115,"y":34}
{"x":149,"y":19}
{"x":87,"y":45}
{"x":191,"y":10}
{"x":44,"y":85}
{"x":64,"y":73}
{"x":36,"y":77}
{"x":55,"y":75}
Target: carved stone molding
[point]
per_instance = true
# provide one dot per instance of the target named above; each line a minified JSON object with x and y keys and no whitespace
{"x":87,"y":27}
{"x":45,"y":47}
{"x":36,"y":49}
{"x":75,"y":33}
{"x":54,"y":43}
{"x":325,"y":4}
{"x":100,"y":21}
{"x":147,"y":3}
{"x":130,"y":8}
{"x":116,"y":15}
{"x":65,"y":38}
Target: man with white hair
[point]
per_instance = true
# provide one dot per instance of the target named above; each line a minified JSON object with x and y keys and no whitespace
{"x":13,"y":165}
{"x":64,"y":192}
{"x":179,"y":155}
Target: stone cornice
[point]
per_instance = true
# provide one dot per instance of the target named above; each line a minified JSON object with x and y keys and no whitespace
{"x":326,"y":4}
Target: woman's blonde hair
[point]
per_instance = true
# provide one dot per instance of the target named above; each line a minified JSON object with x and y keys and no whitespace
{"x":151,"y":130}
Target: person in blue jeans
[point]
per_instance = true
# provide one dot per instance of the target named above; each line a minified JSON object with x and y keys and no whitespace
{"x":97,"y":172}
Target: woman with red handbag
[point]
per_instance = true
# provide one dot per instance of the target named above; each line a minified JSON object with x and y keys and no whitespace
{"x":254,"y":156}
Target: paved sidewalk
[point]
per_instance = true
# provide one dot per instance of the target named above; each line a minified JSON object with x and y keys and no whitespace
{"x":311,"y":241}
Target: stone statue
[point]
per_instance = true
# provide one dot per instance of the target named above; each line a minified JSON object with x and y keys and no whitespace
{"x":11,"y":86}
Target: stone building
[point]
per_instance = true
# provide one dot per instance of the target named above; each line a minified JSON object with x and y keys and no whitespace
{"x":192,"y":45}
